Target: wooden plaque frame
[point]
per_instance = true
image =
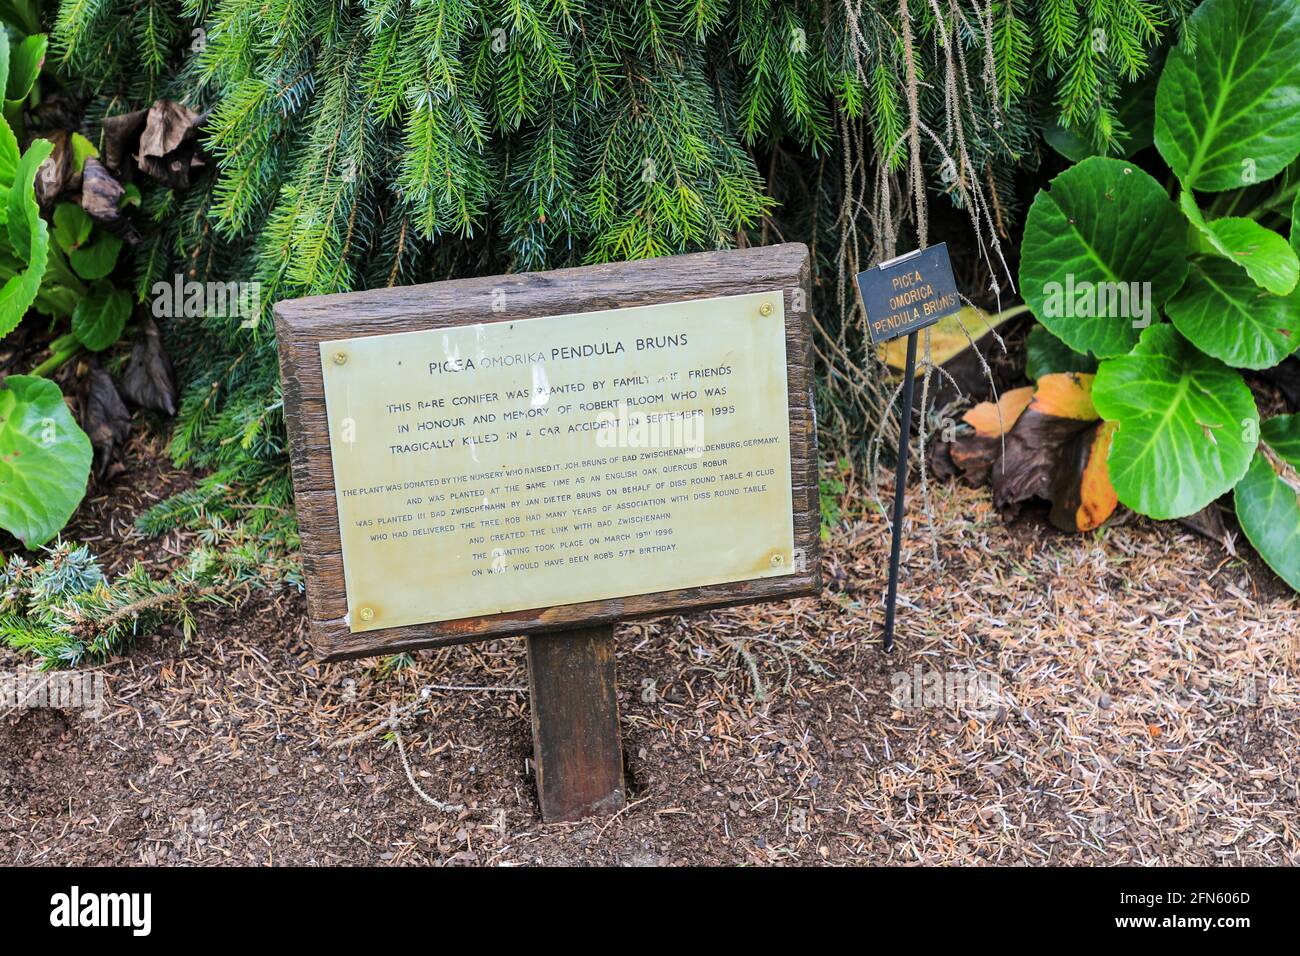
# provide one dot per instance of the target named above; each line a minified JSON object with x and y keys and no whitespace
{"x":302,"y":324}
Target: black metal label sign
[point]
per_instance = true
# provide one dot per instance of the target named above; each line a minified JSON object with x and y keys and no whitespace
{"x":909,"y":293}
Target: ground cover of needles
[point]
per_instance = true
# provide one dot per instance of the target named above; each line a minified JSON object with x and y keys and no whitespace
{"x":1145,"y":712}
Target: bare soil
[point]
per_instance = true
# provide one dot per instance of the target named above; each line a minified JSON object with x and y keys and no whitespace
{"x":1143,"y":710}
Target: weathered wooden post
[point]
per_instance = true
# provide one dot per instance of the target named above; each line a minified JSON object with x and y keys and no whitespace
{"x":545,"y":454}
{"x":577,"y":748}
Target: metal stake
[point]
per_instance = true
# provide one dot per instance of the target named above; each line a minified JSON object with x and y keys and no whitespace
{"x":900,"y":485}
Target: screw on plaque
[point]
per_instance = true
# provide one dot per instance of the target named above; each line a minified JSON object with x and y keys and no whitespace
{"x":340,"y":358}
{"x":777,"y":560}
{"x":765,"y":308}
{"x":367,"y":614}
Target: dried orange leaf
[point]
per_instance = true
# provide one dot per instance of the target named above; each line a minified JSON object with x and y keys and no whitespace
{"x":1084,"y":502}
{"x":991,"y":420}
{"x":1066,"y":395}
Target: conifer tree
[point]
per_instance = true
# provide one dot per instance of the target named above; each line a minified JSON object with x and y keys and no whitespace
{"x":366,"y":143}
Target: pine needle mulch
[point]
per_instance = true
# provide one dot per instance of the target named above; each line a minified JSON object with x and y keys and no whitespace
{"x":1143,"y":711}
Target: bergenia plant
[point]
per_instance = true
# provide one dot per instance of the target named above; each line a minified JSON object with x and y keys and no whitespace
{"x":1177,"y":286}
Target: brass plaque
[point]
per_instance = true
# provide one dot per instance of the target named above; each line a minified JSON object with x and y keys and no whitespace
{"x":528,"y":464}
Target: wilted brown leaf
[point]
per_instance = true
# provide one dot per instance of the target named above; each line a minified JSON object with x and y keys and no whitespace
{"x":168,"y":125}
{"x":58,"y":109}
{"x":53,"y":174}
{"x":169,"y":143}
{"x":149,"y":380}
{"x":973,"y":455}
{"x":104,"y":418}
{"x":100,"y":192}
{"x":121,"y":134}
{"x":1081,"y":493}
{"x":1041,"y":442}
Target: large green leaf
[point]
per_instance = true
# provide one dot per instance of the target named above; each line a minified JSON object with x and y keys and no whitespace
{"x":1266,"y":256}
{"x":1045,"y":354}
{"x":24,"y":215}
{"x":8,"y":142}
{"x":1101,"y":225}
{"x":99,"y":318}
{"x":23,"y":15}
{"x":1187,"y":424}
{"x":1268,"y":498}
{"x":4,"y":54}
{"x":8,"y":159}
{"x":82,"y":150}
{"x":1223,"y":313}
{"x":97,"y":259}
{"x":25,"y":61}
{"x":72,"y":226}
{"x":60,"y":289}
{"x":44,"y":459}
{"x":1228,"y":102}
{"x":28,"y":236}
{"x":1295,"y":224}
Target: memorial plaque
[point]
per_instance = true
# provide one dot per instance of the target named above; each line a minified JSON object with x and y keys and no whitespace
{"x":548,"y":451}
{"x":560,"y":459}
